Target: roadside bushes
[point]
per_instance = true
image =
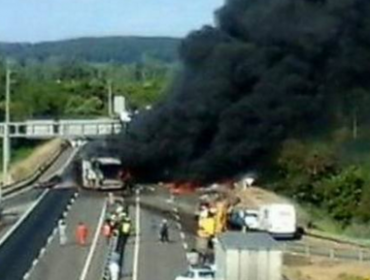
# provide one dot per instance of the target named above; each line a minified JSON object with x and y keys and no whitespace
{"x":313,"y":175}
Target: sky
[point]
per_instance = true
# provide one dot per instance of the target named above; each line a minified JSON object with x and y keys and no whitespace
{"x":48,"y":20}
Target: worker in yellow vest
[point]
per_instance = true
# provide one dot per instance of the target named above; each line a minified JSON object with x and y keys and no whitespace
{"x":126,"y":229}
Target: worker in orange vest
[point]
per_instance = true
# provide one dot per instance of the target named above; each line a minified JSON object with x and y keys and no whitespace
{"x":107,"y":230}
{"x":81,"y":234}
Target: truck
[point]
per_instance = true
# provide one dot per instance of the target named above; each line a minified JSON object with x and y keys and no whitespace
{"x":278,"y":219}
{"x":101,"y":173}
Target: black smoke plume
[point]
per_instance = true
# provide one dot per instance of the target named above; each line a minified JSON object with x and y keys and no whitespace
{"x":268,"y":70}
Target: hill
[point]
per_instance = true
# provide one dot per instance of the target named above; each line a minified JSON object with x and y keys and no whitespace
{"x":100,"y":50}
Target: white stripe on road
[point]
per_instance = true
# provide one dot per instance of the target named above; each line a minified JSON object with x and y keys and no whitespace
{"x":37,"y":202}
{"x":137,"y":238}
{"x":59,"y":171}
{"x":66,"y":163}
{"x":94,"y":243}
{"x":25,"y":215}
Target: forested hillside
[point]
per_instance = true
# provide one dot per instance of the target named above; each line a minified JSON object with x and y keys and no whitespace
{"x":70,"y":88}
{"x":105,"y":49}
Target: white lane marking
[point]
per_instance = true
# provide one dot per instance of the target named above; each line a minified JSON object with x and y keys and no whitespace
{"x":137,"y":239}
{"x":42,"y":252}
{"x":25,"y":215}
{"x":94,"y":243}
{"x":26,"y":276}
{"x":59,"y":171}
{"x":35,"y":262}
{"x":10,"y":196}
{"x":185,"y":245}
{"x":175,"y":210}
{"x":177,"y":217}
{"x":67,"y":162}
{"x":182,"y":235}
{"x":179,"y":225}
{"x":50,"y":238}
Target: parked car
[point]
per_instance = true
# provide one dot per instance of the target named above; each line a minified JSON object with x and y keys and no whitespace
{"x":197,"y":273}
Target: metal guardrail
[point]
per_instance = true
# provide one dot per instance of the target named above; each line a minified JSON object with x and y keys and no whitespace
{"x":111,"y":250}
{"x":308,"y":250}
{"x":16,"y":186}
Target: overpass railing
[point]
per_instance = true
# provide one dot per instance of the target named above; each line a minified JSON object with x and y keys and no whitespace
{"x":62,"y":128}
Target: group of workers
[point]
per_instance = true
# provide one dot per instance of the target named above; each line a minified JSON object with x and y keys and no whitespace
{"x":117,"y":223}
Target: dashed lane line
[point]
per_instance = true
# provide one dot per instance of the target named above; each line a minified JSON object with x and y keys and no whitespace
{"x":25,"y":215}
{"x":178,"y":224}
{"x":49,"y":240}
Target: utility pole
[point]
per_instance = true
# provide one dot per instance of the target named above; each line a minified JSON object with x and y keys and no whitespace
{"x":110,"y":98}
{"x":6,"y":138}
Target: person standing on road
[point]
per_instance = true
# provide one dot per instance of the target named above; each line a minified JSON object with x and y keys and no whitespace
{"x":164,"y":231}
{"x":126,"y":229}
{"x":81,"y":234}
{"x":62,"y":227}
{"x":107,"y":231}
{"x":114,"y":267}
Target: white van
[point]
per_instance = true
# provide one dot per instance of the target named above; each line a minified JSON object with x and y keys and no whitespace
{"x":278,"y":219}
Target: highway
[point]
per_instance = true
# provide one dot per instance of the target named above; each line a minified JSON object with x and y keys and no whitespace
{"x":71,"y":259}
{"x":15,"y":205}
{"x":18,"y":250}
{"x":33,"y":252}
{"x":22,"y":247}
{"x":31,"y":194}
{"x":145,"y":257}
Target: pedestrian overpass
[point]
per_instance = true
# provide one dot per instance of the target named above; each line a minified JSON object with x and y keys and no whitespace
{"x":70,"y":129}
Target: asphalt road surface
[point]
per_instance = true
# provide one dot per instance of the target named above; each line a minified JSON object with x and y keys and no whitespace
{"x":59,"y":262}
{"x":23,"y":246}
{"x":17,"y":204}
{"x":154,"y":260}
{"x":32,"y":194}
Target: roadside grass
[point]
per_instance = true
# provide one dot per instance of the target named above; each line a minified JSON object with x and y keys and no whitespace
{"x":22,"y":152}
{"x":26,"y":160}
{"x":323,"y":225}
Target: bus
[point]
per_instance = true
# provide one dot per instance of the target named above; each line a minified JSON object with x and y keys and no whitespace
{"x":102,"y":173}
